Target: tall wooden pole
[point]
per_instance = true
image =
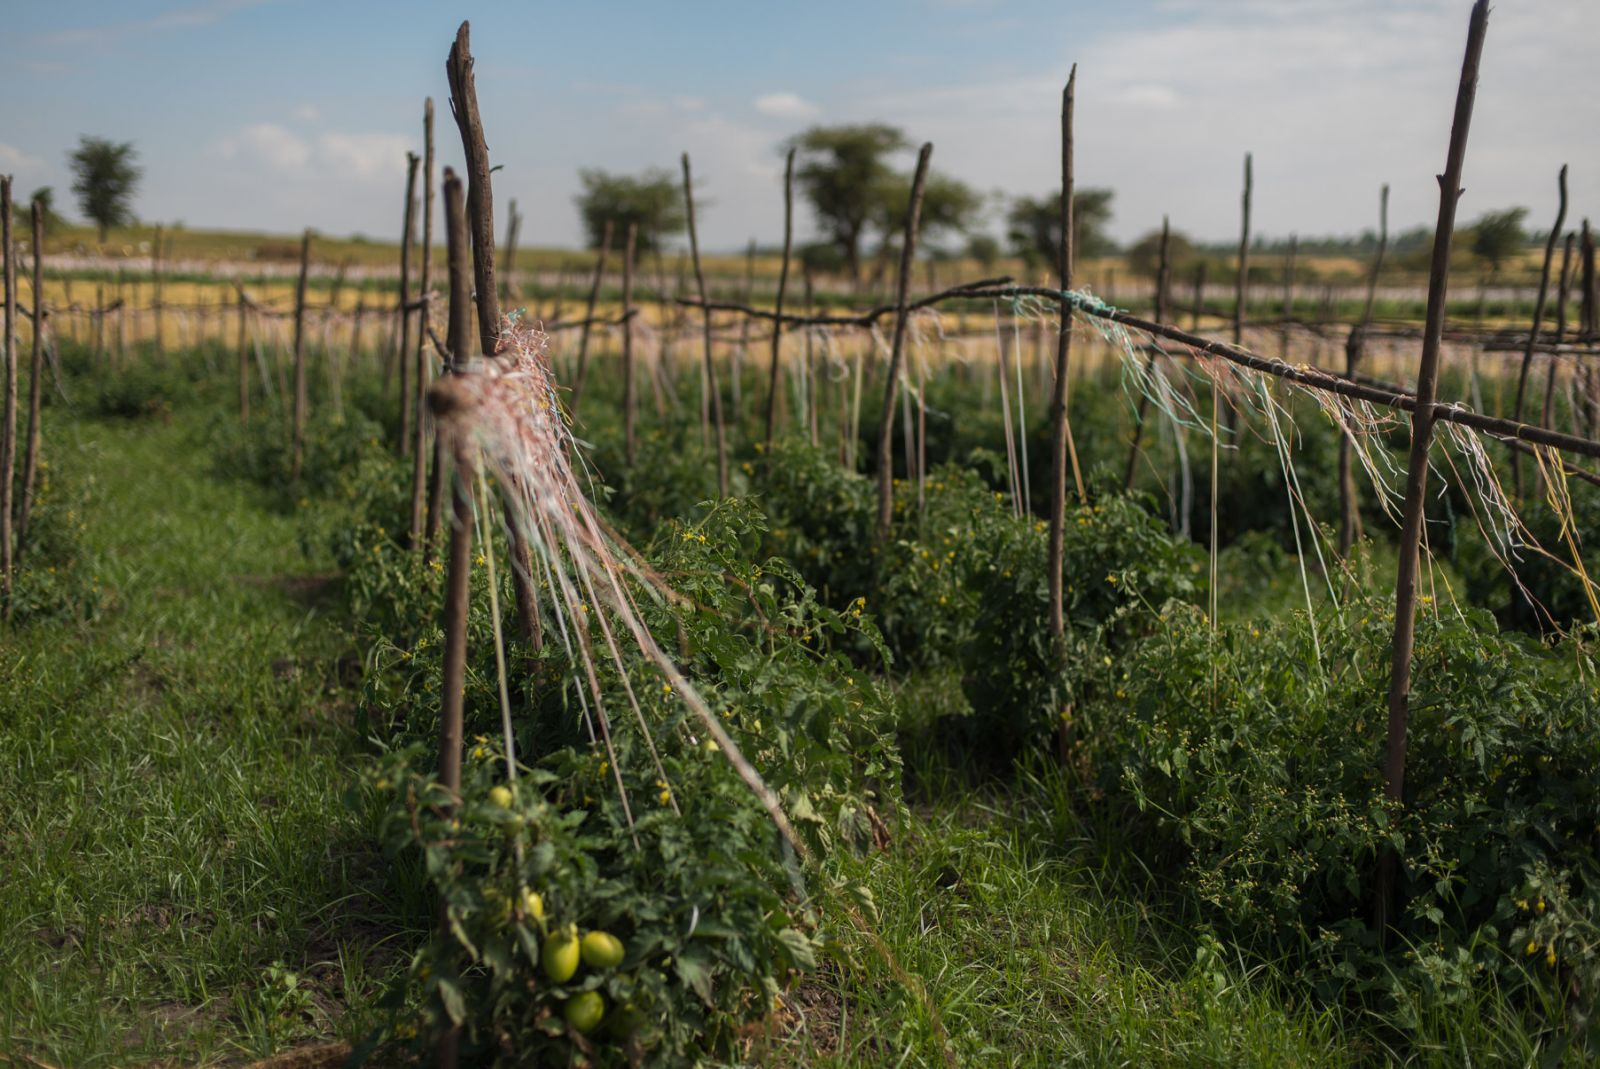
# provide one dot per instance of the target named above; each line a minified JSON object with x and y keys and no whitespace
{"x":1422,"y":419}
{"x":1061,"y":427}
{"x":783,"y":285}
{"x":458,"y":561}
{"x":908,"y":250}
{"x":30,"y":463}
{"x":713,"y":391}
{"x":298,"y":446}
{"x":581,"y":375}
{"x":1563,"y":280}
{"x":1199,"y":295}
{"x":402,"y":354}
{"x":629,"y":402}
{"x":155,"y":281}
{"x":480,"y":195}
{"x":1241,"y":283}
{"x":244,"y":361}
{"x":509,"y":264}
{"x":1163,"y":276}
{"x":1538,"y":321}
{"x":8,"y":429}
{"x":419,"y":446}
{"x":1354,"y":347}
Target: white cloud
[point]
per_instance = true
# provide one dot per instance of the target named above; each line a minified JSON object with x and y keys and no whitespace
{"x":203,"y":14}
{"x":307,"y":113}
{"x":14,"y":159}
{"x":267,"y":143}
{"x":365,"y":156}
{"x":785,"y":106}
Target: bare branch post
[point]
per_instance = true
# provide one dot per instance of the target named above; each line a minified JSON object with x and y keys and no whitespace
{"x":629,"y":402}
{"x":1422,"y":420}
{"x":298,"y":445}
{"x":155,"y":282}
{"x":509,"y":262}
{"x":908,"y":250}
{"x":1199,"y":295}
{"x":244,"y":361}
{"x":1062,"y":445}
{"x":480,"y":195}
{"x":458,"y":562}
{"x":1163,"y":275}
{"x":1355,"y":344}
{"x":1288,"y":295}
{"x":1590,"y":303}
{"x":713,"y":391}
{"x":30,"y":462}
{"x":8,"y":430}
{"x":783,"y":285}
{"x":1241,"y":284}
{"x":419,"y":446}
{"x":403,"y":351}
{"x":1538,"y":321}
{"x":1563,"y":280}
{"x":580,"y":376}
{"x":812,"y":393}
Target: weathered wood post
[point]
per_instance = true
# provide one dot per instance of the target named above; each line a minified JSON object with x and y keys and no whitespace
{"x":458,"y":560}
{"x":628,"y":401}
{"x":244,"y":362}
{"x":402,"y":355}
{"x":1422,"y":420}
{"x":1563,"y":280}
{"x":1062,"y":445}
{"x":1288,"y":295}
{"x":712,"y":390}
{"x":1241,"y":283}
{"x":480,"y":195}
{"x":1354,"y":346}
{"x":783,"y":285}
{"x":30,"y":462}
{"x":419,"y":446}
{"x":1163,"y":274}
{"x":8,"y":429}
{"x":908,"y":250}
{"x":1538,"y":322}
{"x":297,"y":448}
{"x":581,"y":375}
{"x":155,"y":281}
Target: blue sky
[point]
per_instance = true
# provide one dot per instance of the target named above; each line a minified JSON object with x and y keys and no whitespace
{"x":277,"y":114}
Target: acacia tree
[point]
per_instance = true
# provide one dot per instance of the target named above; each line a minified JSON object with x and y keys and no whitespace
{"x":105,"y":176}
{"x":650,"y":201}
{"x":843,"y":172}
{"x":1498,"y":236}
{"x":1033,"y":226}
{"x":949,"y":206}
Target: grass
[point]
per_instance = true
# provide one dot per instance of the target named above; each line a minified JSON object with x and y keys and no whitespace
{"x":1035,"y":951}
{"x":183,"y":882}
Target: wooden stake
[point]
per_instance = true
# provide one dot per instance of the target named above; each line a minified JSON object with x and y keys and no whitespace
{"x":509,"y":266}
{"x":480,"y":195}
{"x":419,"y":446}
{"x":1288,"y":294}
{"x":1061,"y":426}
{"x":458,"y":561}
{"x":581,"y":376}
{"x":298,"y":446}
{"x":30,"y":463}
{"x":1563,"y":280}
{"x":244,"y":363}
{"x":1538,"y":322}
{"x":1163,"y":274}
{"x":908,"y":250}
{"x":1355,"y":345}
{"x":8,"y":430}
{"x":628,"y":401}
{"x":713,"y":391}
{"x":1199,"y":295}
{"x":402,"y":354}
{"x":155,"y":281}
{"x":783,"y":284}
{"x":1241,"y":285}
{"x":1422,"y":419}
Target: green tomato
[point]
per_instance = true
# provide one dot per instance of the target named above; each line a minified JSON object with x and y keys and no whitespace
{"x":602,"y":950}
{"x":584,"y":1010}
{"x":560,"y":955}
{"x":500,"y":796}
